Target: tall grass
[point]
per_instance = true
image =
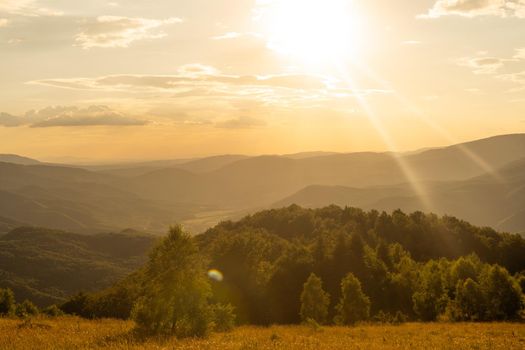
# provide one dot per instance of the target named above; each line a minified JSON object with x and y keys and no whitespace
{"x":76,"y":333}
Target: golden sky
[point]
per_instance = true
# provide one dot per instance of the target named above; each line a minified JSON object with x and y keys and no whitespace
{"x":136,"y":79}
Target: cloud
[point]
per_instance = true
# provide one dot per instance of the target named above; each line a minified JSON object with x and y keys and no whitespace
{"x":26,"y":8}
{"x":9,"y":120}
{"x":113,"y":31}
{"x":474,"y":8}
{"x":4,"y":22}
{"x":70,"y":116}
{"x":241,"y":123}
{"x":201,"y":91}
{"x":517,"y":78}
{"x":191,"y":77}
{"x":483,"y":65}
{"x":520,"y":54}
{"x":235,"y":35}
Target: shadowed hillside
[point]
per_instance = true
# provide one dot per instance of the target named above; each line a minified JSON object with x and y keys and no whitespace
{"x":47,"y":266}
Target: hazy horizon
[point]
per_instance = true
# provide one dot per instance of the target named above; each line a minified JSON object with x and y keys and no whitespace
{"x":124,"y":80}
{"x":70,"y":159}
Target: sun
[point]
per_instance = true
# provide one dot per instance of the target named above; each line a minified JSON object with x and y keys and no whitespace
{"x":312,"y":31}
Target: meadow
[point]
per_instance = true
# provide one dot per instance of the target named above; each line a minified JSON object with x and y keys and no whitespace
{"x":77,"y":333}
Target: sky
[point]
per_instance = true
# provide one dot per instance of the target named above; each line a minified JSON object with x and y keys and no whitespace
{"x":135,"y":80}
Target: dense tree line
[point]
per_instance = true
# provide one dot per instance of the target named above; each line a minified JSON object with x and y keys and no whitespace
{"x":330,"y":265}
{"x":10,"y":308}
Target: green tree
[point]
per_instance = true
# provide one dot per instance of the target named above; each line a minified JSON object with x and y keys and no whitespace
{"x":502,"y":294}
{"x":470,"y":301}
{"x":430,"y":298}
{"x":463,"y":268}
{"x":354,"y":305}
{"x":175,"y":293}
{"x":7,"y":302}
{"x":314,"y":300}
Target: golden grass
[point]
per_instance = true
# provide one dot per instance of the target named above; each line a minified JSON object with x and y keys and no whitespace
{"x":74,"y":333}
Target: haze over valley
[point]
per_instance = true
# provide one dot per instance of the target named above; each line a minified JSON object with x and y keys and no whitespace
{"x":481,"y":181}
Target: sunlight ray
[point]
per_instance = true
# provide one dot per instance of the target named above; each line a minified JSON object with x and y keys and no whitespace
{"x":414,"y":110}
{"x":409,"y":174}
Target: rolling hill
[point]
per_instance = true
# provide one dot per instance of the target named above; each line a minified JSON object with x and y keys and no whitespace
{"x":153,"y":195}
{"x":46,"y":266}
{"x":496,"y":200}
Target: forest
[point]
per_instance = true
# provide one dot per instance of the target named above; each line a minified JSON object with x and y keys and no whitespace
{"x":324,"y":266}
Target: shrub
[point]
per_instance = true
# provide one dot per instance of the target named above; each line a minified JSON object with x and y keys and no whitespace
{"x":223,"y":317}
{"x":26,"y":309}
{"x":79,"y":305}
{"x":52,"y":311}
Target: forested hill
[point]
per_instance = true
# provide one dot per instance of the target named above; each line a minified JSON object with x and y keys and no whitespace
{"x":424,"y":236}
{"x":47,"y":266}
{"x":410,"y":266}
{"x":406,"y":263}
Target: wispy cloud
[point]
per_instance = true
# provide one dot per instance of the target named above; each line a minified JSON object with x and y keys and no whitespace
{"x":243,"y":122}
{"x":474,"y":8}
{"x":483,"y":64}
{"x":195,"y":77}
{"x":235,"y":35}
{"x":26,"y":8}
{"x":114,"y":31}
{"x":70,"y":116}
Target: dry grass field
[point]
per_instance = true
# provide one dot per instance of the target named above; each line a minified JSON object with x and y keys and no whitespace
{"x":75,"y":333}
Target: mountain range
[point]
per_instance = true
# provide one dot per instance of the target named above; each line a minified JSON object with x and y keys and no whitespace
{"x":482,"y":181}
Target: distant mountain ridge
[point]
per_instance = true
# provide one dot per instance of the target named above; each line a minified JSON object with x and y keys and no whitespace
{"x":204,"y":191}
{"x":15,"y":159}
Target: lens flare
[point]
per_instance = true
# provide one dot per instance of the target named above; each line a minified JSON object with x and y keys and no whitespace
{"x":215,"y":275}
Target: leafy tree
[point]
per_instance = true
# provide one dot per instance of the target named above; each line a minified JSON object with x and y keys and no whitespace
{"x":502,"y":294}
{"x":286,"y":284}
{"x":430,"y":299}
{"x":26,"y":309}
{"x":7,"y":302}
{"x":314,"y":300}
{"x":175,"y":293}
{"x":470,"y":301}
{"x":464,"y":268}
{"x":354,"y":305}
